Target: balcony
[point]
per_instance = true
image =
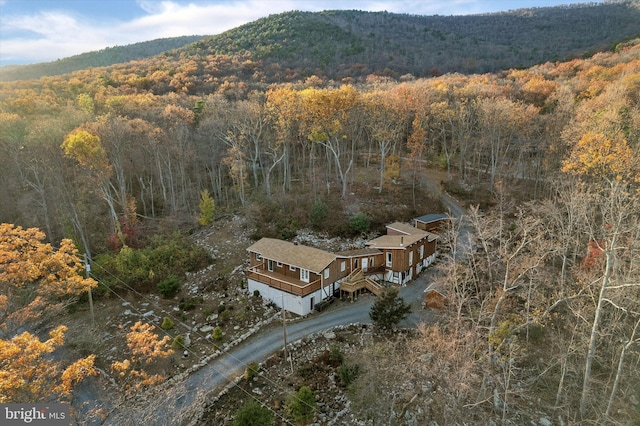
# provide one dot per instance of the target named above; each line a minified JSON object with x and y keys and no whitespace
{"x":284,"y":283}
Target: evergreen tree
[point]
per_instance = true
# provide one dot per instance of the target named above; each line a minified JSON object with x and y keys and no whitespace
{"x":388,"y":310}
{"x":253,"y":414}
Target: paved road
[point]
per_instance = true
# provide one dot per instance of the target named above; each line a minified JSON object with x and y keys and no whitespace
{"x":178,"y":405}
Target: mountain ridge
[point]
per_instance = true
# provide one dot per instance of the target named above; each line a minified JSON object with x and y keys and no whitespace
{"x":339,"y":44}
{"x":99,"y":58}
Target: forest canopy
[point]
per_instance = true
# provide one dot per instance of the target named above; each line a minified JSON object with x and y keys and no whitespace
{"x":111,"y":157}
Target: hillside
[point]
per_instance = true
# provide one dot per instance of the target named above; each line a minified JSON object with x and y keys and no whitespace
{"x":353,"y":44}
{"x":350,"y":43}
{"x":164,"y":170}
{"x":101,"y":58}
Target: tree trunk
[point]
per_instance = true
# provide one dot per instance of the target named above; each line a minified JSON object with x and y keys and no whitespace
{"x":616,"y":383}
{"x":584,"y":399}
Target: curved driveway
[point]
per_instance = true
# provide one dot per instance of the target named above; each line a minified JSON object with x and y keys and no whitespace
{"x":179,"y":404}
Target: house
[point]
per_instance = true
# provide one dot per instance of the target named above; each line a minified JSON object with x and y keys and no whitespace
{"x":294,"y":277}
{"x":297,"y":277}
{"x":436,"y":222}
{"x":406,"y":250}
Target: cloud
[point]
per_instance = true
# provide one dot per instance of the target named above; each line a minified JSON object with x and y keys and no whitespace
{"x":47,"y":36}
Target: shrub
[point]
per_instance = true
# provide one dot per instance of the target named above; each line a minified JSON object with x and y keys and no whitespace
{"x":335,"y":356}
{"x":253,"y":414}
{"x":301,"y":405}
{"x":348,"y":373}
{"x":216,"y":334}
{"x":288,"y":233}
{"x":319,"y":213}
{"x":309,"y":371}
{"x":251,"y":370}
{"x":169,"y":287}
{"x":178,"y":342}
{"x":359,"y":223}
{"x":167,"y":324}
{"x":144,"y":268}
{"x":187,"y":304}
{"x":256,"y":293}
{"x":388,"y":310}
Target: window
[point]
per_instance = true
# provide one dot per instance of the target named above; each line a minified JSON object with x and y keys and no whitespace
{"x":422,"y":251}
{"x":326,"y":274}
{"x":258,"y":257}
{"x":411,"y":257}
{"x":270,"y":265}
{"x":279,"y":264}
{"x":292,"y":268}
{"x":355,"y":263}
{"x":389,"y":259}
{"x":304,"y":275}
{"x":343,"y":266}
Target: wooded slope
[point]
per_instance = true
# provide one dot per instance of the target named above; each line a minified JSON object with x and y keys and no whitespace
{"x":339,"y":44}
{"x":100,"y":58}
{"x":353,"y":44}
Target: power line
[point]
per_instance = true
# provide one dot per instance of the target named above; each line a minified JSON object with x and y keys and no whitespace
{"x":187,"y":349}
{"x":275,"y":384}
{"x":153,"y":302}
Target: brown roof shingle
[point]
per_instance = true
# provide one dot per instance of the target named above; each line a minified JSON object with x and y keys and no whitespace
{"x":411,"y":236}
{"x":305,"y":257}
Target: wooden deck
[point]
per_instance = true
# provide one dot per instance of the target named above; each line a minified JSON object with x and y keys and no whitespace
{"x":290,"y":285}
{"x":355,"y":282}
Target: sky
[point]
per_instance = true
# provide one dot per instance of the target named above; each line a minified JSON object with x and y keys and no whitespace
{"x":33,"y":31}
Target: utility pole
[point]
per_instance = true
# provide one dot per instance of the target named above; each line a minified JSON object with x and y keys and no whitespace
{"x":284,"y":330}
{"x":87,"y":268}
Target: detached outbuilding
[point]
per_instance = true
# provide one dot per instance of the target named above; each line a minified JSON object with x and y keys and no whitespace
{"x":435,"y":297}
{"x":434,"y":222}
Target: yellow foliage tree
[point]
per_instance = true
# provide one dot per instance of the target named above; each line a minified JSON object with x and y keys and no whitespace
{"x":146,"y":347}
{"x":28,"y":374}
{"x":598,"y":156}
{"x":35,"y":279}
{"x":207,"y":208}
{"x":392,"y":169}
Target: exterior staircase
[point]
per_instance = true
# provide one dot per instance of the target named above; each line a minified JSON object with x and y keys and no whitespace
{"x":356,"y":282}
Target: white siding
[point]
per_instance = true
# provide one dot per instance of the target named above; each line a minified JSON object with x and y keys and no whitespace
{"x":292,"y":303}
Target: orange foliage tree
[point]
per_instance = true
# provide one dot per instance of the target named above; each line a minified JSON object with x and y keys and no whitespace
{"x":28,"y":374}
{"x":146,"y":347}
{"x":36,"y":281}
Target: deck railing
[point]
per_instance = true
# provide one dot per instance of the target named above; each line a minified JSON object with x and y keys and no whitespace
{"x":299,"y":288}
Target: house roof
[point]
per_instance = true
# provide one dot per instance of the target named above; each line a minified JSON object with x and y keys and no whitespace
{"x":410,"y":235}
{"x":305,"y":257}
{"x":433,"y":217}
{"x":405,"y":229}
{"x":395,"y":241}
{"x":358,"y":252}
{"x":437,"y":287}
